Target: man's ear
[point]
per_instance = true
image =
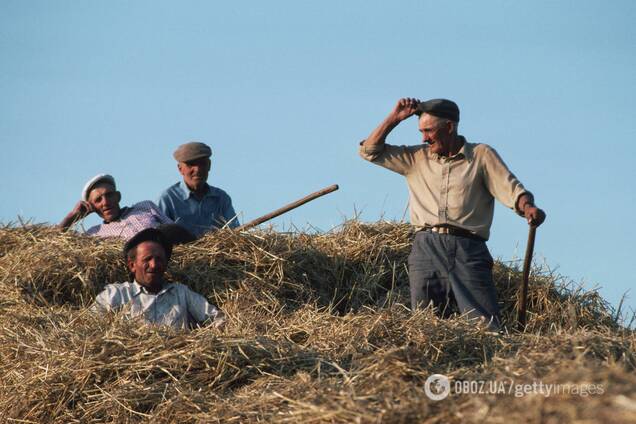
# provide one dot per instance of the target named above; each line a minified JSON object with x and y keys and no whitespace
{"x":131,"y":265}
{"x":118,"y":195}
{"x":450,"y":126}
{"x":179,"y":168}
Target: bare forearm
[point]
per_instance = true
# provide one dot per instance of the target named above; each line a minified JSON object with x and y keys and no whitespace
{"x":378,"y":135}
{"x":68,"y":221}
{"x":80,"y":210}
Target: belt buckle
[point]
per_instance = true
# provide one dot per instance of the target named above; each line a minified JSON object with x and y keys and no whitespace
{"x":440,"y":230}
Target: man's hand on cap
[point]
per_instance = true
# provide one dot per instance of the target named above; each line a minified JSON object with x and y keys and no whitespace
{"x":82,"y":209}
{"x":405,"y":108}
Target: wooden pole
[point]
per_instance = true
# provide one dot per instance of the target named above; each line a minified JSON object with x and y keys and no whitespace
{"x":288,"y":207}
{"x":523,"y":298}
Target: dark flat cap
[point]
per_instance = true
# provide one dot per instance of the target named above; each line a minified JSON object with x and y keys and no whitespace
{"x":149,"y":234}
{"x":441,"y":108}
{"x":191,"y":151}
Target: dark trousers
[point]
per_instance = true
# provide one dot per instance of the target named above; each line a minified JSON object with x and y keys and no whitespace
{"x":452,"y":271}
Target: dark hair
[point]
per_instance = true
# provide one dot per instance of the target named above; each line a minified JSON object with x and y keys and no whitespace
{"x":132,"y":252}
{"x":149,"y":234}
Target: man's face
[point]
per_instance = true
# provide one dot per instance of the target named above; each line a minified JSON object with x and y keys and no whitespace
{"x":149,"y":264}
{"x":105,"y":199}
{"x":195,"y":172}
{"x":437,"y":133}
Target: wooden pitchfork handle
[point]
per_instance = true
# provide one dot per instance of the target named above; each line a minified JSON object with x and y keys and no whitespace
{"x":288,"y":207}
{"x":523,"y":298}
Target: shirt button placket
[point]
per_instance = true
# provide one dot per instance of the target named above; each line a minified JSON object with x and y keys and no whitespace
{"x":443,"y":196}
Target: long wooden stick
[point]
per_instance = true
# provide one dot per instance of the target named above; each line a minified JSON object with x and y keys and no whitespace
{"x":523,"y":300}
{"x":288,"y":207}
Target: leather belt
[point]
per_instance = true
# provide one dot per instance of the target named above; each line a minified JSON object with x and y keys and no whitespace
{"x":453,"y":231}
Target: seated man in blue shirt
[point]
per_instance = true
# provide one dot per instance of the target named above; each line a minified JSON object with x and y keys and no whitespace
{"x":192,"y":203}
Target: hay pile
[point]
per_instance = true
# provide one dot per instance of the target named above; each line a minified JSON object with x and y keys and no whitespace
{"x":317,"y":332}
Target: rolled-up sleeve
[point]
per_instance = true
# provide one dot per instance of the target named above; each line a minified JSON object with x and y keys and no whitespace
{"x":398,"y":159}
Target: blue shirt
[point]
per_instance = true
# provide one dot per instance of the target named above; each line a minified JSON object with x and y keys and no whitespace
{"x":198,"y":216}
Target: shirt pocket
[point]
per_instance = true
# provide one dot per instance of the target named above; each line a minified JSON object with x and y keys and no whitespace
{"x":175,"y":316}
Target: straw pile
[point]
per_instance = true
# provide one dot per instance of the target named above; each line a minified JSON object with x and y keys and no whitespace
{"x":317,"y":332}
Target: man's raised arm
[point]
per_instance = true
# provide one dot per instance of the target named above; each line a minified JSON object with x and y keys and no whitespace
{"x":404,"y":109}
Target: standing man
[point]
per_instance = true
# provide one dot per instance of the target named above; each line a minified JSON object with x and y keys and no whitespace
{"x":192,"y":203}
{"x":148,"y":295}
{"x":452,"y":186}
{"x":100,"y":195}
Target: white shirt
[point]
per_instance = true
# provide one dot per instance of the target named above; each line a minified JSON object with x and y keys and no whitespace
{"x":175,"y":305}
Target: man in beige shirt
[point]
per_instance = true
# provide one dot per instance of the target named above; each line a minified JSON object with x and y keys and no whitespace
{"x":452,"y":186}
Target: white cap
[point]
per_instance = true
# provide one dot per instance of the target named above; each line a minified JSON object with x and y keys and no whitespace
{"x":99,"y":178}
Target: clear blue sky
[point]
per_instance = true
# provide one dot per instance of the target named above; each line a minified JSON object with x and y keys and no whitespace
{"x":283,"y":91}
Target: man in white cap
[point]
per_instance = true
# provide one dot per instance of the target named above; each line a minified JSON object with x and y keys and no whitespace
{"x":100,"y":195}
{"x":193,"y":203}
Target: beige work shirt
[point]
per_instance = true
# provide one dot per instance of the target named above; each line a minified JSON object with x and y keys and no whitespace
{"x":458,"y":190}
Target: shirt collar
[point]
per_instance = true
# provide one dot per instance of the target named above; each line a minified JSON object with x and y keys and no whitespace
{"x":122,"y":214}
{"x":466,"y":151}
{"x":186,"y":193}
{"x":138,"y":289}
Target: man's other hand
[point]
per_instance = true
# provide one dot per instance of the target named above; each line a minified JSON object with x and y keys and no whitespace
{"x":534,"y":215}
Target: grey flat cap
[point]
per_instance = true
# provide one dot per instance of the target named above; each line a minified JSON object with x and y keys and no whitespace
{"x":99,"y":178}
{"x":441,"y":108}
{"x":191,"y":151}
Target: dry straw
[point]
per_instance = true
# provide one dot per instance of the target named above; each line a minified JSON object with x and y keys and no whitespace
{"x":318,"y":332}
